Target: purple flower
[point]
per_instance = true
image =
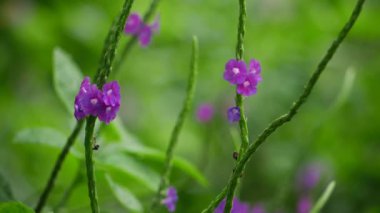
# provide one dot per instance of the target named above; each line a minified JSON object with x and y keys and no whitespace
{"x":83,"y":90}
{"x":111,"y":102}
{"x":309,"y":177}
{"x":205,"y":113}
{"x":171,"y":199}
{"x":304,"y":205}
{"x":91,"y":101}
{"x":78,"y":111}
{"x":145,"y":36}
{"x":237,"y":207}
{"x":133,"y":24}
{"x":255,"y":67}
{"x":111,"y":93}
{"x":235,"y":71}
{"x":249,"y":86}
{"x":108,"y":113}
{"x":233,"y":114}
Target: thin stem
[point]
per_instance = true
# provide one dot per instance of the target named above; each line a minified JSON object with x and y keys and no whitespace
{"x":101,"y":76}
{"x":241,"y":30}
{"x":58,"y":164}
{"x":239,"y":101}
{"x":88,"y":144}
{"x":103,"y":73}
{"x":75,"y":182}
{"x":109,"y":51}
{"x":321,"y":202}
{"x":132,"y":41}
{"x":308,"y":88}
{"x":214,"y":203}
{"x":178,"y":126}
{"x":152,"y":8}
{"x":297,"y":104}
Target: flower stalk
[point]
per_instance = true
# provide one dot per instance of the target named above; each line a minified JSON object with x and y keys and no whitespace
{"x":178,"y":126}
{"x":132,"y":41}
{"x":239,"y":101}
{"x":102,"y":75}
{"x":57,"y":167}
{"x":274,"y":125}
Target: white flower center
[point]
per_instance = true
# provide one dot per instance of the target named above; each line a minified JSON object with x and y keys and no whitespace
{"x":109,"y":92}
{"x":235,"y":70}
{"x":84,"y":90}
{"x":108,"y":109}
{"x":94,"y":101}
{"x":246,"y":84}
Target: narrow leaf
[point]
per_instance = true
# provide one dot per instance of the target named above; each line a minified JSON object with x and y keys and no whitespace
{"x":14,"y":207}
{"x":323,"y":199}
{"x":124,"y":196}
{"x":146,"y":153}
{"x":131,"y":145}
{"x":132,"y":168}
{"x":67,"y":78}
{"x":43,"y":136}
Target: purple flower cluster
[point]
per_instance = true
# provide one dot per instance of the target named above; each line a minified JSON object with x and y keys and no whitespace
{"x":239,"y":207}
{"x":91,"y":101}
{"x":135,"y":26}
{"x":246,"y":80}
{"x":171,"y":199}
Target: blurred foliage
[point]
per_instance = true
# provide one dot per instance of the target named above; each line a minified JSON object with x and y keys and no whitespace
{"x":338,"y":127}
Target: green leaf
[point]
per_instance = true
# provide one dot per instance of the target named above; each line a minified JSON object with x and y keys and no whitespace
{"x":43,"y":136}
{"x":67,"y":78}
{"x":129,"y":144}
{"x":143,"y":152}
{"x":323,"y":199}
{"x":346,"y":89}
{"x":5,"y":190}
{"x":14,"y":207}
{"x":132,"y":168}
{"x":124,"y":196}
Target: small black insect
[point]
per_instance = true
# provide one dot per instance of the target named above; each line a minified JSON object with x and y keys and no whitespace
{"x":95,"y":146}
{"x":235,"y":155}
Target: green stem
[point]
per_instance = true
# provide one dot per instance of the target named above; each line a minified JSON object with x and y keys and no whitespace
{"x":57,"y":167}
{"x":104,"y":71}
{"x":101,"y":76}
{"x":214,"y":203}
{"x":297,"y":104}
{"x":111,"y":43}
{"x":178,"y":126}
{"x":132,"y":41}
{"x":75,"y":182}
{"x":88,"y":144}
{"x":239,"y":101}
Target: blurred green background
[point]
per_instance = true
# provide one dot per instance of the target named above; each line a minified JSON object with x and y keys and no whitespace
{"x":338,"y":128}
